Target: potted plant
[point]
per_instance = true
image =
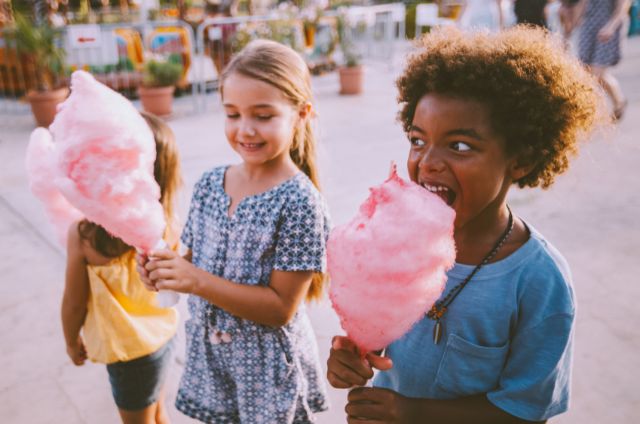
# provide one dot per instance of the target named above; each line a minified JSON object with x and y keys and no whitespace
{"x":37,"y":45}
{"x":351,"y":73}
{"x":159,"y":78}
{"x":311,"y":16}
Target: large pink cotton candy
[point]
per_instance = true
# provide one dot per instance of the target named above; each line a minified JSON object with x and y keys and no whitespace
{"x":388,"y":265}
{"x":40,"y":168}
{"x":102,"y":155}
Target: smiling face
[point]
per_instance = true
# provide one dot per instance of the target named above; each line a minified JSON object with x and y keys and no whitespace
{"x":260,"y":122}
{"x":456,"y":154}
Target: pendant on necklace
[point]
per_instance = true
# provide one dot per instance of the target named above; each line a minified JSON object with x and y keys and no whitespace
{"x":437,"y":332}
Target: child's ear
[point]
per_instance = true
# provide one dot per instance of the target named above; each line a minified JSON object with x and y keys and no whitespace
{"x":306,"y":111}
{"x":521,"y":167}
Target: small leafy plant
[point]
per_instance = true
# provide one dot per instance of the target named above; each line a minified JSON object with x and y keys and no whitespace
{"x":40,"y":45}
{"x":350,"y":54}
{"x":161,"y":72}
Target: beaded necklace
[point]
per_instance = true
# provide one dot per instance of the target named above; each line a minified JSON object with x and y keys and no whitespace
{"x":440,"y":307}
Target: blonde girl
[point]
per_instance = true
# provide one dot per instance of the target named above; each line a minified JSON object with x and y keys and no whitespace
{"x":256,"y":235}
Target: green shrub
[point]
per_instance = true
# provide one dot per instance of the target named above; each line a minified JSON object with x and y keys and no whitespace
{"x":161,"y":73}
{"x":41,"y":45}
{"x":350,"y":54}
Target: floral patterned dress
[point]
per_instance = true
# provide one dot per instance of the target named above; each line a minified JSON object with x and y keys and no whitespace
{"x":238,"y":371}
{"x":591,"y":50}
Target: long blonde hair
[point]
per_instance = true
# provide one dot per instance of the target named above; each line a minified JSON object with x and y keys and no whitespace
{"x":281,"y":67}
{"x":166,"y":170}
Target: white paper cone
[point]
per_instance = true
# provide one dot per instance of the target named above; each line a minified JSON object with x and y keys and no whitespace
{"x":166,"y":298}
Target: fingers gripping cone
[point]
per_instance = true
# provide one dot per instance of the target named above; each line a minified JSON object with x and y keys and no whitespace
{"x":165,"y":298}
{"x":102,"y":156}
{"x":388,"y":264}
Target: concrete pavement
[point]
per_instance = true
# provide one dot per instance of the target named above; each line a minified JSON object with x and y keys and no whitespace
{"x":590,"y":214}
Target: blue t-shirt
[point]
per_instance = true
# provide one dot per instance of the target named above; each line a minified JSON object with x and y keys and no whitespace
{"x":507,"y":334}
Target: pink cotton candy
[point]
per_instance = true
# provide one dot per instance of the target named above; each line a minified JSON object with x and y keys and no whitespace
{"x":104,"y":152}
{"x":388,"y":265}
{"x":40,"y":168}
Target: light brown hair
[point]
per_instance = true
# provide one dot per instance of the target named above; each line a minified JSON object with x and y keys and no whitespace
{"x":281,"y":67}
{"x":166,"y":170}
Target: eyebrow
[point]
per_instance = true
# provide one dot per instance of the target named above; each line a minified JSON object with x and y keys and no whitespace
{"x":258,"y":106}
{"x":469,"y":132}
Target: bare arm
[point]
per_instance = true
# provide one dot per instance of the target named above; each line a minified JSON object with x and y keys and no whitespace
{"x":273,"y":305}
{"x":619,"y":13}
{"x":75,"y":298}
{"x":346,"y":369}
{"x":580,"y":8}
{"x":617,"y":18}
{"x":389,"y":407}
{"x":500,"y":14}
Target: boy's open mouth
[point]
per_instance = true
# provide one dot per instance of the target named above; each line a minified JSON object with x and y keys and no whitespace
{"x":445,"y":193}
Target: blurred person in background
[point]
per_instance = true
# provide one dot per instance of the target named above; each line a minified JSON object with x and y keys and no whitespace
{"x":531,"y":12}
{"x":600,"y":30}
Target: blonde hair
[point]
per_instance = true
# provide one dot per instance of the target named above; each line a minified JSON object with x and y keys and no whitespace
{"x":281,"y":67}
{"x":168,"y":176}
{"x":166,"y":168}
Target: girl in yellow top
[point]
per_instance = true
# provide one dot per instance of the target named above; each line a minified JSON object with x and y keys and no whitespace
{"x":121,"y":324}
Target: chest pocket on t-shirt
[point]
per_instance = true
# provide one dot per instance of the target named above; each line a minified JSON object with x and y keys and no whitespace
{"x":468,"y":369}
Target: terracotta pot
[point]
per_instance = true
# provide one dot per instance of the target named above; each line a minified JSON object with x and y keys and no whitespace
{"x":157,"y":100}
{"x":351,"y":79}
{"x":309,"y":35}
{"x":44,"y":104}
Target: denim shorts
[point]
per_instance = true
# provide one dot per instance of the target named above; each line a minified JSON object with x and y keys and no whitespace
{"x":136,"y":384}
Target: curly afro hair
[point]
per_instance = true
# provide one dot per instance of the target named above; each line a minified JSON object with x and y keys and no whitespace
{"x":540,"y":99}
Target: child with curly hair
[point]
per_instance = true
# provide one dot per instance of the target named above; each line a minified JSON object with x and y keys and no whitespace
{"x":484,"y":112}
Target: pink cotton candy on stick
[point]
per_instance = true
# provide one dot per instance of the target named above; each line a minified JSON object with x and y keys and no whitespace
{"x":104,"y":153}
{"x":40,"y":169}
{"x":388,"y":264}
{"x":105,"y":160}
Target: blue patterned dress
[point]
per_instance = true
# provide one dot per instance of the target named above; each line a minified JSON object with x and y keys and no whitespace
{"x":238,"y":371}
{"x":591,"y":51}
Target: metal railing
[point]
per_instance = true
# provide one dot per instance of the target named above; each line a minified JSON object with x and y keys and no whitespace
{"x":213,"y":41}
{"x":114,"y":52}
{"x":108,"y":51}
{"x":378,"y":28}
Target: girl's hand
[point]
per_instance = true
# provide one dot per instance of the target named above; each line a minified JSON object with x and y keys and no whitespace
{"x":346,"y":368}
{"x":606,"y":33}
{"x":168,"y":270}
{"x":77,"y":352}
{"x":379,"y":406}
{"x":142,"y":260}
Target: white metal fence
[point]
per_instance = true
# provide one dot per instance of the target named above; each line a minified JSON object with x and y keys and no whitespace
{"x":114,"y":52}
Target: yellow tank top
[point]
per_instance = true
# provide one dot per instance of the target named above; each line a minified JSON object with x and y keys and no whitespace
{"x":123,"y":321}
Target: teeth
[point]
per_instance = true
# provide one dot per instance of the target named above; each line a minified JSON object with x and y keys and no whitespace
{"x":435,"y":188}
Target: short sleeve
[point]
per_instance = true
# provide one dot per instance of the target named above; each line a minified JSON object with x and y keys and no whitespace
{"x":302,"y":236}
{"x":534,"y":384}
{"x":194,"y":213}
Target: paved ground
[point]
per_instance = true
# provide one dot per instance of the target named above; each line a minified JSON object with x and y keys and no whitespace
{"x":591,"y":214}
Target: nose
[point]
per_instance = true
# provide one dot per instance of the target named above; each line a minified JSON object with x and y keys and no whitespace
{"x":431,"y":161}
{"x":246,"y":129}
